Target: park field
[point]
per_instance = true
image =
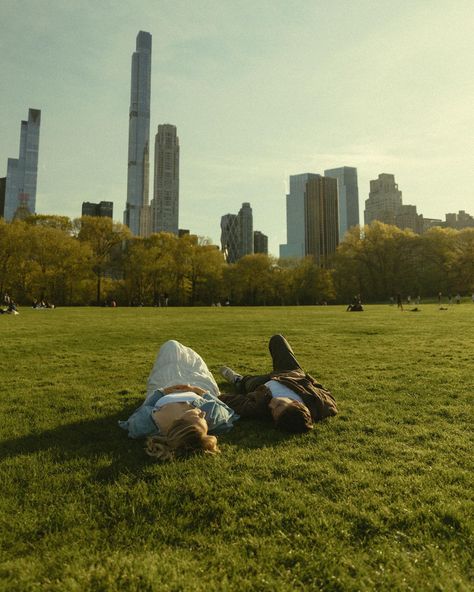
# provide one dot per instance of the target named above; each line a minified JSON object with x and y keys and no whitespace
{"x":379,"y":498}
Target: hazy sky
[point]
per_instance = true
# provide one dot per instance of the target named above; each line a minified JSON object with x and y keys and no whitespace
{"x":258,"y":90}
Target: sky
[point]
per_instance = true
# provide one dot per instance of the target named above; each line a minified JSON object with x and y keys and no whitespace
{"x":258,"y":89}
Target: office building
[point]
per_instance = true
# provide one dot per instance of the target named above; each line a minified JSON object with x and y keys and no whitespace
{"x":246,"y":230}
{"x":348,"y":197}
{"x":295,"y":216}
{"x":385,"y":200}
{"x":165,"y":202}
{"x":459,"y":221}
{"x":237,"y":234}
{"x":321,"y":219}
{"x":103,"y":209}
{"x":137,"y":211}
{"x":260,"y":242}
{"x":2,"y":195}
{"x":312,"y":218}
{"x":230,"y":237}
{"x":408,"y":218}
{"x":22,"y":172}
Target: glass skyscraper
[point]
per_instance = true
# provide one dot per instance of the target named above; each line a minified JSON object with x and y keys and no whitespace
{"x":295,"y":216}
{"x":22,"y":172}
{"x":136,"y":214}
{"x":348,"y":197}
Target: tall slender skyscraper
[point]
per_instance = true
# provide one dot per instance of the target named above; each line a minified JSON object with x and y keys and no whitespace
{"x":165,"y":203}
{"x":348,"y":197}
{"x":22,"y":172}
{"x":137,"y":210}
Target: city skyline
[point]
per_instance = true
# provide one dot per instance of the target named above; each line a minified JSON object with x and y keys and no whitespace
{"x":256,"y":95}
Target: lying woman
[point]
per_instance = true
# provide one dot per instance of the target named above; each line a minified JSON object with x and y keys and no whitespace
{"x":182,"y":413}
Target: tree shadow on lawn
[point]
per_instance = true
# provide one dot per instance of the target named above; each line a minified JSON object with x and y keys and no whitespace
{"x":102,"y":437}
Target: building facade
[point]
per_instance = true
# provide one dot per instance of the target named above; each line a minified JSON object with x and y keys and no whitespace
{"x":22,"y":172}
{"x":165,"y":202}
{"x":385,"y":200}
{"x":407,"y":217}
{"x":295,"y":216}
{"x":230,"y":237}
{"x":3,"y":182}
{"x":312,"y":217}
{"x":348,"y":197}
{"x":237,"y":234}
{"x":103,"y":209}
{"x":137,"y":211}
{"x":459,"y":221}
{"x":246,"y":230}
{"x":321,"y":219}
{"x":260,"y":242}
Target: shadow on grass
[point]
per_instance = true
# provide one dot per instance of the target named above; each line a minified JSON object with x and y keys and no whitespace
{"x":100,"y":438}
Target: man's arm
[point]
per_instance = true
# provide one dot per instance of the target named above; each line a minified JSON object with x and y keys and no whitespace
{"x":251,"y":406}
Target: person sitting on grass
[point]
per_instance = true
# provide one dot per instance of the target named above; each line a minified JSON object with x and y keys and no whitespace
{"x":288,"y":395}
{"x":182,"y":413}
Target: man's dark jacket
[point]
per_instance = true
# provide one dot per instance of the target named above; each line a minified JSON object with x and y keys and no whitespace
{"x":319,"y":400}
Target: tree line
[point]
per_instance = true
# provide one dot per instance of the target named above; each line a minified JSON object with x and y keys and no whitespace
{"x":96,"y":260}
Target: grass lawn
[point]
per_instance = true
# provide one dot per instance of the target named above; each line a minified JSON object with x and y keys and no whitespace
{"x":378,"y":498}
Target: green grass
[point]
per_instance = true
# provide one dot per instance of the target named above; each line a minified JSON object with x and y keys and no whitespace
{"x":378,"y":498}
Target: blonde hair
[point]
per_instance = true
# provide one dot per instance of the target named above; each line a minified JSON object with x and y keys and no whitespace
{"x":183,"y":439}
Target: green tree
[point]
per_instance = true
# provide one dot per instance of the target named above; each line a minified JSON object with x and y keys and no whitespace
{"x":104,"y":236}
{"x":438,"y":246}
{"x":15,"y":261}
{"x":464,"y":261}
{"x":380,"y":262}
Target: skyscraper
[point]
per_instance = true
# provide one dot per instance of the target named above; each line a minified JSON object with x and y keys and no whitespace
{"x":165,"y":203}
{"x":237,"y":234}
{"x":136,"y":214}
{"x":260,"y":242}
{"x":3,"y":183}
{"x":22,"y":172}
{"x":348,"y":197}
{"x":385,"y":200}
{"x":295,"y":216}
{"x":246,"y":230}
{"x":321,"y":219}
{"x":230,"y":237}
{"x":312,"y":217}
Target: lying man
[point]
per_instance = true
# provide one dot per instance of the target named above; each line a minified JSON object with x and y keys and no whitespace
{"x":291,"y":397}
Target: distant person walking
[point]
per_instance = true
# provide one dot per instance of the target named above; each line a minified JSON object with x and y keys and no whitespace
{"x":399,"y":301}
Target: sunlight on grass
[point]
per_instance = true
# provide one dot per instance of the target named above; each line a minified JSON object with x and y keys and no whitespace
{"x":377,"y":498}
